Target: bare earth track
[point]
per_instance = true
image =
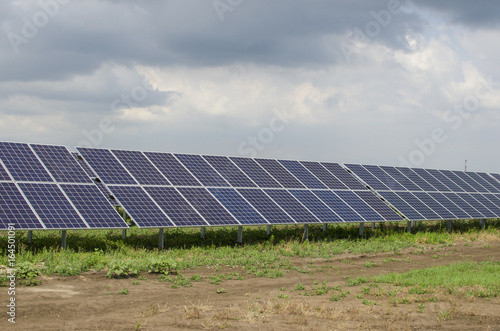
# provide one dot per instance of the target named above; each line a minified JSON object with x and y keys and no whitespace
{"x":92,"y":302}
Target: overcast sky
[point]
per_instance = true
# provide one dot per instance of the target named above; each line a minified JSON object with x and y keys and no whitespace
{"x":374,"y":82}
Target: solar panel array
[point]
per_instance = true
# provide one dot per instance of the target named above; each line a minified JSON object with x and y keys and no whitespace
{"x":44,"y":187}
{"x":430,"y":194}
{"x":179,"y":190}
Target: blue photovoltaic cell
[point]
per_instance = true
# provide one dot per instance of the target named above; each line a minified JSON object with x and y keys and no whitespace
{"x":208,"y":207}
{"x":324,"y":175}
{"x":378,"y":205}
{"x":291,"y":206}
{"x":107,"y":167}
{"x":490,"y":180}
{"x":477,"y":205}
{"x":415,"y":178}
{"x":483,"y":182}
{"x":266,"y":207}
{"x":496,"y":176}
{"x":236,"y":205}
{"x":143,"y":211}
{"x":171,"y":168}
{"x":344,"y":176}
{"x":444,"y":180}
{"x":51,"y":205}
{"x":140,"y":168}
{"x":253,"y":170}
{"x":275,"y":169}
{"x":229,"y":171}
{"x":3,"y":173}
{"x":384,"y":177}
{"x":473,"y":212}
{"x":402,"y":206}
{"x":401,"y":178}
{"x":302,"y":174}
{"x":459,"y":212}
{"x":360,"y":206}
{"x":316,"y":206}
{"x":175,"y":206}
{"x":495,"y":200}
{"x":338,"y":206}
{"x":93,"y":206}
{"x":22,"y":163}
{"x":14,"y":209}
{"x":367,"y":177}
{"x":487,"y":203}
{"x":431,"y":180}
{"x":457,"y":180}
{"x":471,"y":182}
{"x":434,"y":205}
{"x":88,"y":170}
{"x":202,"y":170}
{"x":418,"y":205}
{"x":63,"y":167}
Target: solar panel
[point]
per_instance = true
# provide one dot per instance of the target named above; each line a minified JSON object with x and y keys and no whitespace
{"x":378,"y":205}
{"x":494,"y":199}
{"x":470,"y":181}
{"x":457,"y":180}
{"x":140,"y":207}
{"x":367,"y":177}
{"x":237,"y":206}
{"x":448,"y":183}
{"x":436,"y":207}
{"x":175,"y":206}
{"x":253,"y":170}
{"x":473,"y":212}
{"x":265,"y":206}
{"x":3,"y":173}
{"x":229,"y":171}
{"x":384,"y":177}
{"x":171,"y":168}
{"x":496,"y":176}
{"x":104,"y":163}
{"x":52,"y":206}
{"x":140,"y":168}
{"x":477,"y":205}
{"x":302,"y":174}
{"x":93,"y":206}
{"x":275,"y":169}
{"x":417,"y":179}
{"x":483,"y":182}
{"x":490,"y":180}
{"x":208,"y":207}
{"x":202,"y":170}
{"x":401,"y":178}
{"x":14,"y":209}
{"x":487,"y":203}
{"x":431,"y":180}
{"x":404,"y":207}
{"x":60,"y":163}
{"x":360,"y":206}
{"x":324,"y":175}
{"x":88,"y":170}
{"x":22,"y":163}
{"x":419,"y":206}
{"x":291,"y":206}
{"x":316,"y":206}
{"x":459,"y":212}
{"x":344,"y":176}
{"x":338,"y":206}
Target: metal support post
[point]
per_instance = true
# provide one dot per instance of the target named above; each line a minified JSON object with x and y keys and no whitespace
{"x":240,"y":234}
{"x":408,"y":226}
{"x":373,"y":225}
{"x":448,"y":226}
{"x":124,"y":234}
{"x":30,"y":236}
{"x":161,"y":240}
{"x":306,"y":231}
{"x":482,"y":223}
{"x":324,"y":227}
{"x":63,"y":239}
{"x":202,"y":232}
{"x":268,"y":229}
{"x":361,"y":225}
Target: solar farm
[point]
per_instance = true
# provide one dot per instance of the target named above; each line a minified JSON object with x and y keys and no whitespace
{"x":311,"y":215}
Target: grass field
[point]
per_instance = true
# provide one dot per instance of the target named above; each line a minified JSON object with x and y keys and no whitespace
{"x":268,"y":281}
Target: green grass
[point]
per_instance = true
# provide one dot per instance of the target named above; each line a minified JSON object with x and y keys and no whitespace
{"x":468,"y":278}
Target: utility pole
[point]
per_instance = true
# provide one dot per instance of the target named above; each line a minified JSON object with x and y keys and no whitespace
{"x":465,"y":165}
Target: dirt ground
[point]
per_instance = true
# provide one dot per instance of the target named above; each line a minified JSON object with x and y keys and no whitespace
{"x":92,"y":302}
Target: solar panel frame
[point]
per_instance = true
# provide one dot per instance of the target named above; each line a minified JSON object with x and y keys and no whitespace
{"x":325,"y":176}
{"x":4,"y":176}
{"x":316,"y":206}
{"x":22,"y":163}
{"x":344,"y":176}
{"x":366,"y":176}
{"x":361,"y":207}
{"x":227,"y":169}
{"x":300,"y":172}
{"x":401,"y":178}
{"x":341,"y":208}
{"x":60,"y":164}
{"x":255,"y":172}
{"x":279,"y":173}
{"x":140,"y":168}
{"x":14,"y":209}
{"x":202,"y":170}
{"x":291,"y":206}
{"x":384,"y":177}
{"x":496,"y":176}
{"x":244,"y":212}
{"x":172,"y":169}
{"x":88,"y":170}
{"x":402,"y":206}
{"x":106,"y":166}
{"x":379,"y":206}
{"x":269,"y":209}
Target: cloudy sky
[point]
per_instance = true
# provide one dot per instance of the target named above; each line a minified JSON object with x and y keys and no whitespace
{"x":376,"y":82}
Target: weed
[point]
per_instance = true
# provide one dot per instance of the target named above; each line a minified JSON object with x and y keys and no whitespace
{"x":121,"y":269}
{"x":123,"y":291}
{"x":299,"y":287}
